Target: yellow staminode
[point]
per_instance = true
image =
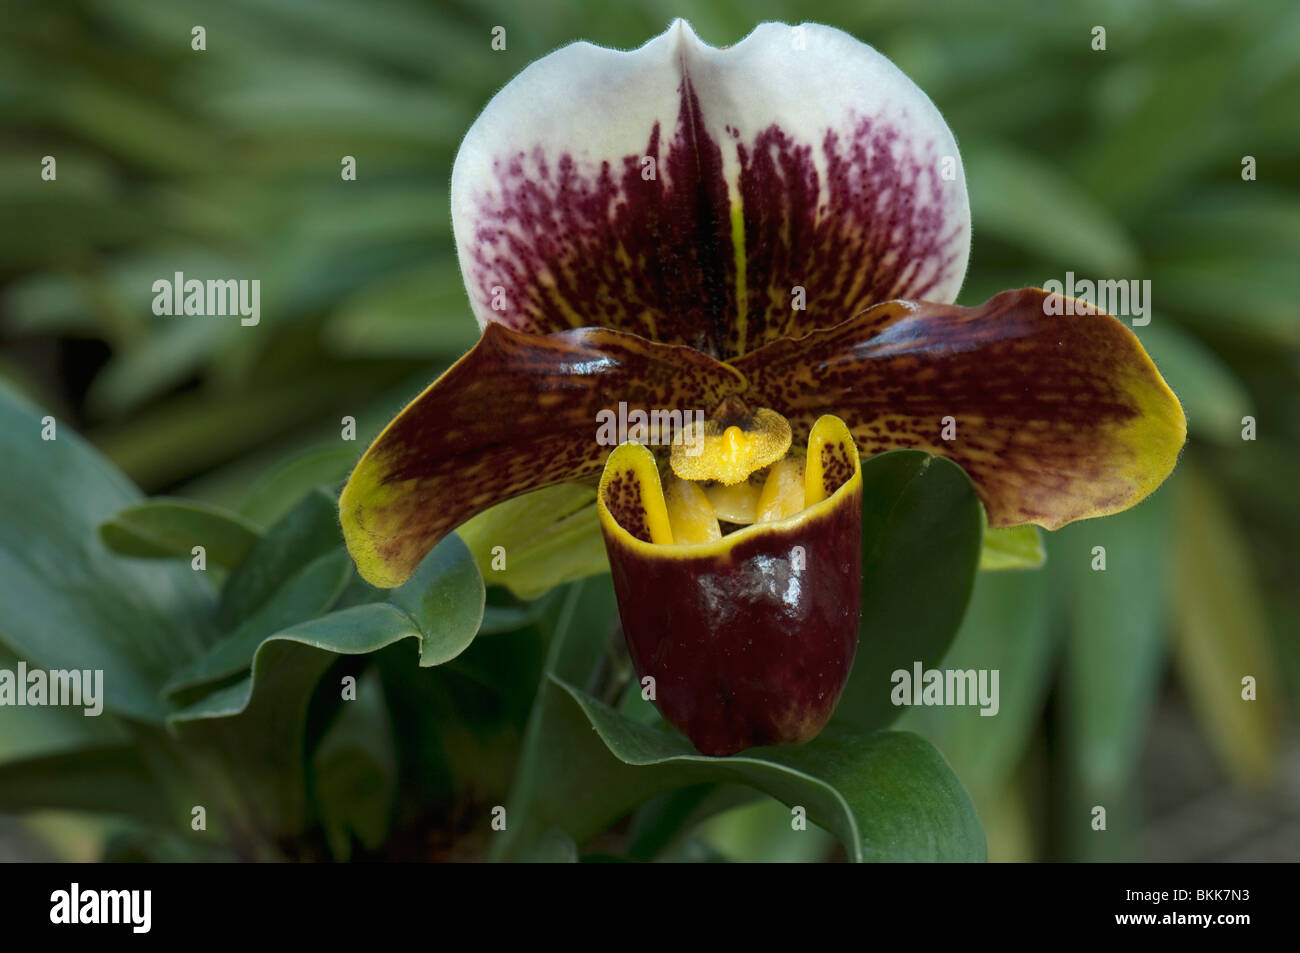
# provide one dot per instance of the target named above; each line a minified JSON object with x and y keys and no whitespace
{"x":783,"y":492}
{"x":690,"y":513}
{"x":735,"y":504}
{"x":729,"y":451}
{"x":642,"y":508}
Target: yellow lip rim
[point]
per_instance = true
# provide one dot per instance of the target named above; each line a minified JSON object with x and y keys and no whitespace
{"x":637,"y":459}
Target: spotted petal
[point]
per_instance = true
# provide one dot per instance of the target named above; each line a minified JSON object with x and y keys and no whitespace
{"x":518,"y":412}
{"x":1055,"y":417}
{"x":687,"y":193}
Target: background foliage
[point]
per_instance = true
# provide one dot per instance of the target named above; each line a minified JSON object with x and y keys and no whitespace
{"x":1118,"y":688}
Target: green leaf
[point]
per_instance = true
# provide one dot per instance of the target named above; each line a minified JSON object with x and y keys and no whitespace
{"x":1221,"y":634}
{"x":886,"y":795}
{"x":30,"y":730}
{"x":546,"y":538}
{"x":306,"y":532}
{"x":259,"y":721}
{"x":1012,"y":547}
{"x":1007,"y":630}
{"x":66,"y":602}
{"x":273,"y":494}
{"x":1114,"y":658}
{"x":922,"y":534}
{"x":556,"y":732}
{"x":172,"y":528}
{"x":303,"y":597}
{"x":440,"y":606}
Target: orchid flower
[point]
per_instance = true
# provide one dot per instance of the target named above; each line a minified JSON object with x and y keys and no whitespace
{"x":773,"y":234}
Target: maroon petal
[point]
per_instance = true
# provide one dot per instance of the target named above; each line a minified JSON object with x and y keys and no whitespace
{"x":518,"y":412}
{"x":1055,"y":417}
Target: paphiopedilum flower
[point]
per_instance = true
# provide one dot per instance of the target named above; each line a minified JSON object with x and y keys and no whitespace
{"x":773,"y":234}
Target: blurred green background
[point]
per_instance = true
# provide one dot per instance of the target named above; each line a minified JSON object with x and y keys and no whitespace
{"x":1120,"y":689}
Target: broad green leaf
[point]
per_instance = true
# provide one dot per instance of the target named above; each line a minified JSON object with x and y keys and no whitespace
{"x":1221,"y":634}
{"x":1006,"y":631}
{"x":1114,"y":658}
{"x":886,"y":795}
{"x":65,"y":601}
{"x":557,"y":734}
{"x":30,"y":730}
{"x":544,"y":539}
{"x":307,"y":531}
{"x":922,"y":533}
{"x":274,"y":493}
{"x":1012,"y":547}
{"x":259,"y":721}
{"x":304,"y":596}
{"x":440,"y":606}
{"x":161,"y":527}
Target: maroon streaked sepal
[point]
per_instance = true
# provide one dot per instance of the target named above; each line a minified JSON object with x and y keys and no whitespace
{"x":517,"y":413}
{"x":749,"y":639}
{"x":1055,"y":417}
